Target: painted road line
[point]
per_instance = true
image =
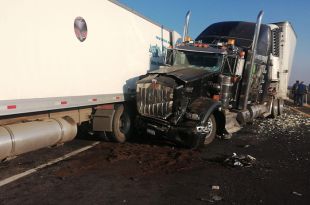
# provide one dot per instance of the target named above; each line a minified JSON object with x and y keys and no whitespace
{"x":54,"y":161}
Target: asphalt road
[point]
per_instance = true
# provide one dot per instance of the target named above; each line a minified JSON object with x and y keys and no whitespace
{"x":151,"y":171}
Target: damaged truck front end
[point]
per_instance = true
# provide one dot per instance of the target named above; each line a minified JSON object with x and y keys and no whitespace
{"x":180,"y":101}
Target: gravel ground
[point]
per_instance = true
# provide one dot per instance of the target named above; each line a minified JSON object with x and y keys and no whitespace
{"x":267,"y":162}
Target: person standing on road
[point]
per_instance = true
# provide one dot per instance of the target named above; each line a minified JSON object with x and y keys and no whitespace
{"x":294,"y":91}
{"x":301,"y":91}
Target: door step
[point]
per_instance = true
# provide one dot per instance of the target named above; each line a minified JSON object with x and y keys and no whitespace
{"x":232,"y":124}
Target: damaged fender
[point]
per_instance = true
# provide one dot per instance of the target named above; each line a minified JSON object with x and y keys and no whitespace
{"x":204,"y":107}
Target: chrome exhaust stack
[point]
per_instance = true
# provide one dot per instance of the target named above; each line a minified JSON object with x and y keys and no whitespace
{"x":20,"y":138}
{"x":250,"y":60}
{"x":186,"y":25}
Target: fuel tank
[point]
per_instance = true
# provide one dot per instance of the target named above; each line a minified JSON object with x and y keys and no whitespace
{"x":16,"y":139}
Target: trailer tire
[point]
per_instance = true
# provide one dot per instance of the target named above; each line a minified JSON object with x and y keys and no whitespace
{"x":122,"y":125}
{"x":280,"y":106}
{"x":275,"y":108}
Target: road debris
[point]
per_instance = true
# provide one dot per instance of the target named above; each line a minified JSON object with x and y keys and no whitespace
{"x":240,"y":160}
{"x":288,"y":122}
{"x":217,"y":198}
{"x":215,"y":187}
{"x":204,"y":199}
{"x":215,"y":194}
{"x":296,"y":193}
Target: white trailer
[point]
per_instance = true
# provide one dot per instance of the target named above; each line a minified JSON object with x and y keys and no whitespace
{"x":283,"y":49}
{"x":60,"y":60}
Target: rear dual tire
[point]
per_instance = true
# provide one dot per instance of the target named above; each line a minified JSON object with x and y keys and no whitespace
{"x":277,"y":107}
{"x":280,"y":106}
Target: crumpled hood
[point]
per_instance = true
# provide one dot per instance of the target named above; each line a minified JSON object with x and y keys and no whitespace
{"x":183,"y":73}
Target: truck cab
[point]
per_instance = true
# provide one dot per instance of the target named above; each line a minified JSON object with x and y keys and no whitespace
{"x":229,"y":75}
{"x":188,"y":96}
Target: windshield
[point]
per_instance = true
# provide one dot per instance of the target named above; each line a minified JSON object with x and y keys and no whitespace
{"x":207,"y":61}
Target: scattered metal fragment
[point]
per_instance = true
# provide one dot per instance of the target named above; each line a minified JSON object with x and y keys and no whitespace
{"x":217,"y":198}
{"x":251,"y":158}
{"x":240,"y":160}
{"x":214,"y":194}
{"x":204,"y":199}
{"x":296,"y":193}
{"x":215,"y":187}
{"x":287,"y":122}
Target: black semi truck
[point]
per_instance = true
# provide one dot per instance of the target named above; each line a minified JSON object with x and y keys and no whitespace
{"x":230,"y":74}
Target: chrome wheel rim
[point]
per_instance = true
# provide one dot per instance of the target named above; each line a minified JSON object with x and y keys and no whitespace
{"x":206,"y":130}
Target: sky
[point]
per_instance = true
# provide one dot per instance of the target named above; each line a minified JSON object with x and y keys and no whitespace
{"x":171,"y":14}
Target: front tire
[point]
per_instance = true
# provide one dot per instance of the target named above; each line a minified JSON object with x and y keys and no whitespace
{"x":122,"y":125}
{"x":204,"y":134}
{"x":211,"y":124}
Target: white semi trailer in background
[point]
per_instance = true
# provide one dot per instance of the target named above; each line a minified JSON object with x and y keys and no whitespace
{"x":63,"y":61}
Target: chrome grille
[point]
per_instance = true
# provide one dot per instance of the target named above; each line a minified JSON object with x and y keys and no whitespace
{"x":154,"y":100}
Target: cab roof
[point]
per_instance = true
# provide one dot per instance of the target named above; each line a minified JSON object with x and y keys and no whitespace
{"x":242,"y":32}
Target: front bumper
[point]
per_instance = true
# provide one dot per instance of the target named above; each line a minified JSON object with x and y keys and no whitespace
{"x":164,"y":129}
{"x":153,"y":126}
